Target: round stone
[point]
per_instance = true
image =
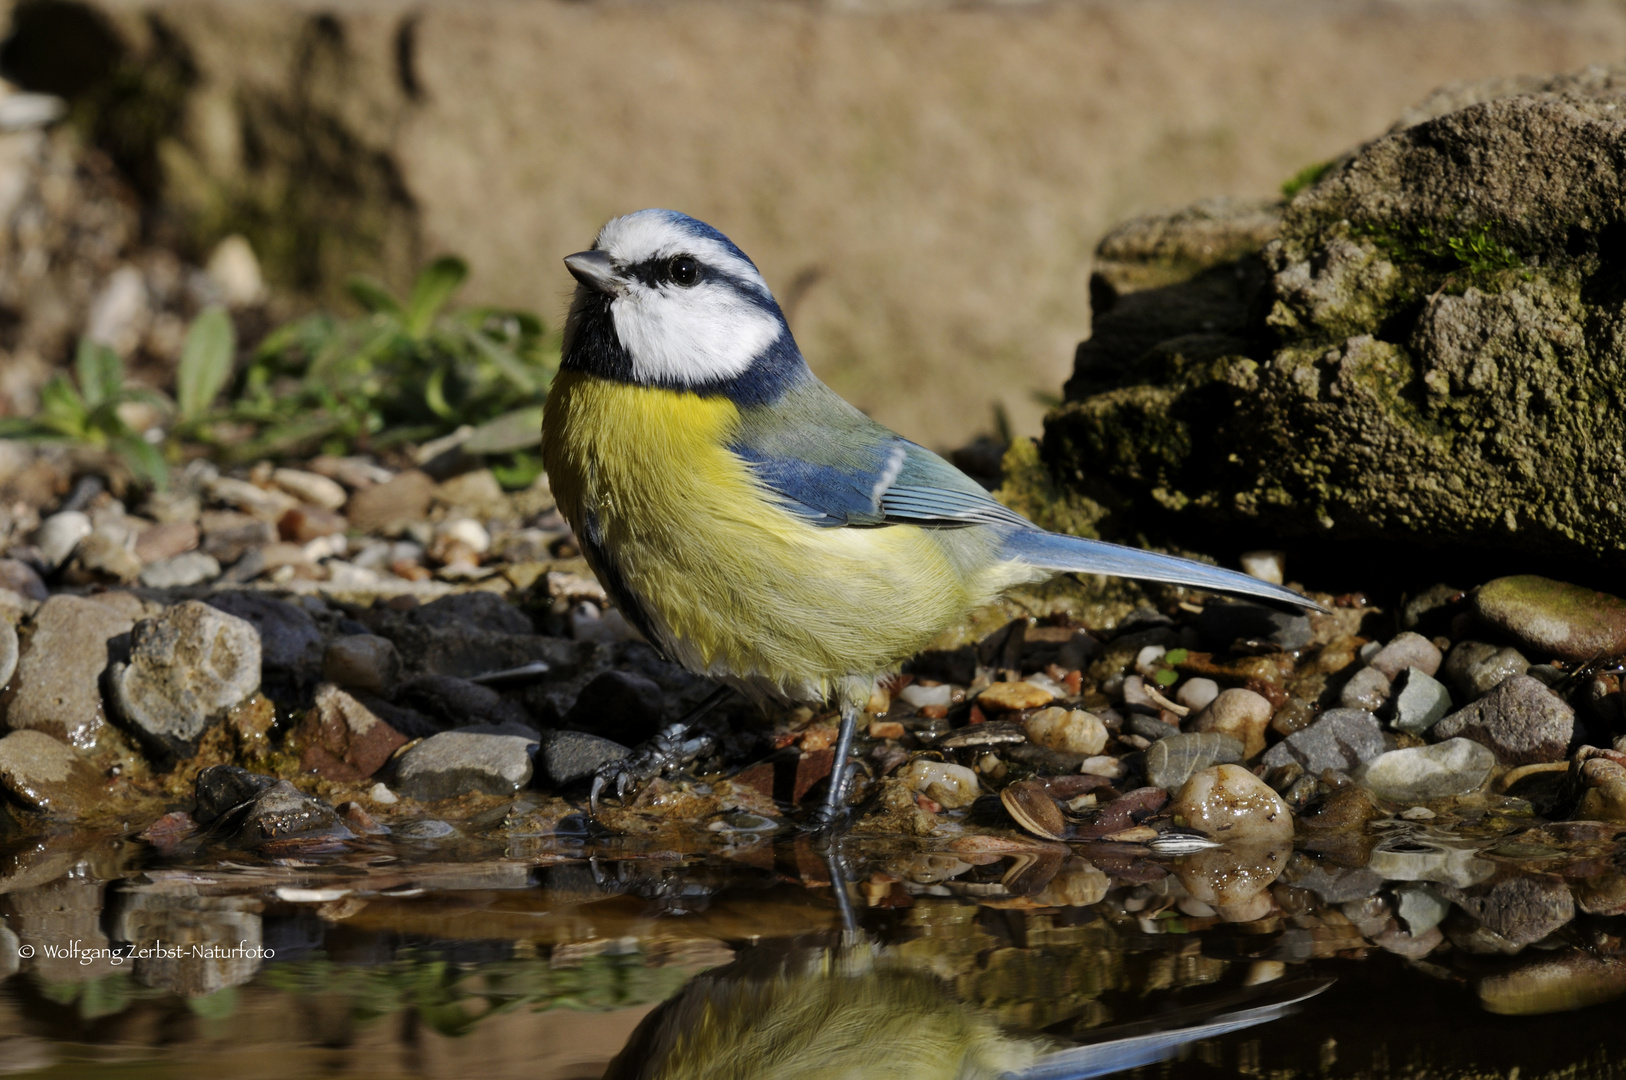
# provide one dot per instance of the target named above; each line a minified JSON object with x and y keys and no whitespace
{"x":1227,"y":802}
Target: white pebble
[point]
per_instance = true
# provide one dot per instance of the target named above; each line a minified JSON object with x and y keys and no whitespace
{"x":59,"y":534}
{"x":309,"y":487}
{"x":1196,"y":694}
{"x":950,"y":786}
{"x":1104,"y":765}
{"x":924,"y":696}
{"x":382,"y":794}
{"x":1146,"y":660}
{"x":1071,"y":730}
{"x":1135,"y":692}
{"x":465,"y":531}
{"x":1268,"y":566}
{"x":1227,"y":802}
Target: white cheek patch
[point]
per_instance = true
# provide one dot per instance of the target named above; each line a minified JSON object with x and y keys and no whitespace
{"x":691,"y":336}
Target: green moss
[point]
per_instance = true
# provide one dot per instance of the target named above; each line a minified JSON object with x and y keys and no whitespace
{"x":1308,"y":176}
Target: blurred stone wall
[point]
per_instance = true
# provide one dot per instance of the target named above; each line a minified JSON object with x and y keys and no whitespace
{"x":923,"y":184}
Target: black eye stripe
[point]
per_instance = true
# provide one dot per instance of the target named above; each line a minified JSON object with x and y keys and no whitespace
{"x":664,"y":270}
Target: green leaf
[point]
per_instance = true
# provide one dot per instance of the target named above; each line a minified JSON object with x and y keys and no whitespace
{"x":144,"y":460}
{"x":1176,"y":656}
{"x":522,"y":473}
{"x":433,"y":288}
{"x":1165,"y":677}
{"x":100,"y":372}
{"x":371,"y":294}
{"x":62,"y":409}
{"x":206,"y":361}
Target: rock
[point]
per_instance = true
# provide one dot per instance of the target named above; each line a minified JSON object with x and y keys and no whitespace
{"x":362,"y":662}
{"x":1340,"y":739}
{"x":1241,"y":714}
{"x":570,"y":756}
{"x":1473,"y":668}
{"x":58,"y":679}
{"x":104,"y":557}
{"x":263,"y":503}
{"x":342,"y":739}
{"x":166,"y":540}
{"x":291,"y":651}
{"x":458,"y":703}
{"x":187,"y":667}
{"x":1407,"y":650}
{"x":1430,"y":609}
{"x":950,"y":786}
{"x":620,"y":705}
{"x":1172,"y":760}
{"x":1558,"y":983}
{"x":1234,"y":878}
{"x":474,"y":610}
{"x":1420,"y":906}
{"x":1268,"y":566}
{"x":1224,"y":622}
{"x":309,"y":487}
{"x":9,"y":651}
{"x":387,"y":507}
{"x":303,"y":524}
{"x":219,"y":788}
{"x":1196,"y":694}
{"x":457,"y":763}
{"x":359,"y":821}
{"x":1418,"y":702}
{"x":1521,"y":720}
{"x":1551,"y":618}
{"x":191,"y":946}
{"x":1367,"y":689}
{"x":281,"y":812}
{"x":1230,"y":804}
{"x":1014,"y":696}
{"x":1602,"y":784}
{"x":21,"y":579}
{"x":59,"y":534}
{"x":229,"y":535}
{"x":47,"y":775}
{"x":1342,"y":810}
{"x":192,"y":568}
{"x":1522,"y":908}
{"x":1072,"y":731}
{"x":1422,"y":773}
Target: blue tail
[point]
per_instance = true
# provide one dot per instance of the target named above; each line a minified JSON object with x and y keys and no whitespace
{"x":1074,"y":554}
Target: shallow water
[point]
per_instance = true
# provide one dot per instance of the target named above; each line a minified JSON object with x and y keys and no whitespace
{"x":451,"y":961}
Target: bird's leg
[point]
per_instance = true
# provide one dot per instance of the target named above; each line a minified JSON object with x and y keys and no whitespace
{"x":668,"y":751}
{"x":834,"y":800}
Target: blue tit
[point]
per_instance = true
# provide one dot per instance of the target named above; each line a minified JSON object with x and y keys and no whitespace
{"x":756,"y":527}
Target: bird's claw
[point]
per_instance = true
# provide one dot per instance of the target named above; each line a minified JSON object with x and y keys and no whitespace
{"x":670,"y":750}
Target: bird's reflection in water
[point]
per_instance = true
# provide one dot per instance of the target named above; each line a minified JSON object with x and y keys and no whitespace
{"x":801,"y":1011}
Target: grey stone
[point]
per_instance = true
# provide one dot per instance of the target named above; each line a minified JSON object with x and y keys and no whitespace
{"x":228,"y":535}
{"x":1418,"y":702}
{"x":290,"y":642}
{"x":9,"y":651}
{"x":1172,"y":760}
{"x":1474,"y":668}
{"x":1521,"y":908}
{"x":477,"y":610}
{"x":47,"y":775}
{"x":187,"y":667}
{"x":1552,"y":618}
{"x":1407,"y":650}
{"x":362,"y":662}
{"x":180,"y":571}
{"x":58,"y":674}
{"x":21,"y":579}
{"x":1421,"y":773}
{"x":59,"y":534}
{"x":571,"y":756}
{"x":1338,"y":886}
{"x":105,"y":556}
{"x":1521,"y":720}
{"x":219,"y":788}
{"x":1420,"y":858}
{"x":458,"y":763}
{"x":1340,"y":739}
{"x":280,"y":812}
{"x":1224,"y":622}
{"x":1367,"y":689}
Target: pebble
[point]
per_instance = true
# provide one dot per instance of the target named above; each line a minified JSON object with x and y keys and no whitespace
{"x":220,"y":788}
{"x":58,"y":678}
{"x":281,"y":811}
{"x":1224,"y":622}
{"x":1172,"y":761}
{"x":22,"y":579}
{"x":924,"y":697}
{"x":1229,"y":803}
{"x":388,"y":507}
{"x":459,"y":702}
{"x":1407,"y":650}
{"x":181,"y":571}
{"x":382,"y":795}
{"x":465,"y":531}
{"x":1521,"y":720}
{"x":950,"y":786}
{"x":290,"y":640}
{"x":1367,"y":689}
{"x":103,"y":556}
{"x":59,"y":534}
{"x":1241,"y":714}
{"x":1339,"y":739}
{"x":1073,"y":731}
{"x":47,"y":775}
{"x":1558,"y":983}
{"x":1418,"y":702}
{"x":1195,"y":694}
{"x":9,"y":650}
{"x":1415,"y":858}
{"x":362,"y":661}
{"x":187,"y":667}
{"x":263,"y":503}
{"x":620,"y":705}
{"x":1268,"y":566}
{"x":473,"y":611}
{"x":309,"y":487}
{"x":304,"y":524}
{"x":1603,"y":790}
{"x":1475,"y":668}
{"x":1104,"y":765}
{"x":1423,"y":773}
{"x":1552,"y":618}
{"x":165,"y":541}
{"x":1420,"y":906}
{"x":1521,"y":908}
{"x":342,"y":739}
{"x":1235,"y":878}
{"x":458,"y":762}
{"x":572,"y":756}
{"x":1014,"y":696}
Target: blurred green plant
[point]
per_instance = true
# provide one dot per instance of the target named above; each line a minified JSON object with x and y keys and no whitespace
{"x":402,"y":372}
{"x":1308,"y":176}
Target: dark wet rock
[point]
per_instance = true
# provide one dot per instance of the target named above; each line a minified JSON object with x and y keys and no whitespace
{"x":1521,"y":908}
{"x":1172,"y":760}
{"x":459,"y":703}
{"x":222,"y":787}
{"x":343,"y":739}
{"x":1367,"y":689}
{"x":447,"y":645}
{"x":1407,"y":650}
{"x":58,"y":675}
{"x":457,"y":763}
{"x":1129,"y":809}
{"x":1521,"y":720}
{"x":619,"y":705}
{"x":1344,"y":809}
{"x":387,"y":507}
{"x":1150,"y":727}
{"x":1474,"y":668}
{"x":290,"y":641}
{"x":427,"y":829}
{"x":48,"y":776}
{"x":1552,"y":618}
{"x":22,"y":579}
{"x":1421,"y":773}
{"x":191,"y":568}
{"x":1340,"y":739}
{"x":1224,"y":622}
{"x":572,"y":756}
{"x":478,"y":610}
{"x":1418,"y":702}
{"x":187,"y":667}
{"x":362,"y":662}
{"x":409,"y":722}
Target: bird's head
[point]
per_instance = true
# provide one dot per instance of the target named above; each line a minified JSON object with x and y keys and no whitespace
{"x":665,"y":300}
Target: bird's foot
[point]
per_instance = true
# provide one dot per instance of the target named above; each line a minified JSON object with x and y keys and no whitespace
{"x":671,"y":750}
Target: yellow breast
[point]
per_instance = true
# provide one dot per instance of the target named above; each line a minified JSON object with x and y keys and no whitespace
{"x":734,"y":584}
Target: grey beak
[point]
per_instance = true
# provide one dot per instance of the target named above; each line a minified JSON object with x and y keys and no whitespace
{"x":595,"y":270}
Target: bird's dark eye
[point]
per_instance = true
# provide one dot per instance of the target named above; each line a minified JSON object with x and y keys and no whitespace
{"x":683,"y":270}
